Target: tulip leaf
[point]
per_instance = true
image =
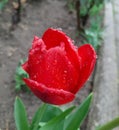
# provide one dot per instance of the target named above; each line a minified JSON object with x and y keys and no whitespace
{"x":38,"y":116}
{"x":44,"y":113}
{"x":57,"y":122}
{"x":20,"y":115}
{"x":51,"y":112}
{"x":75,"y":119}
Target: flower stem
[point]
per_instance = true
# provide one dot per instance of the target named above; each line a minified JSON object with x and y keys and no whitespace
{"x":110,"y":125}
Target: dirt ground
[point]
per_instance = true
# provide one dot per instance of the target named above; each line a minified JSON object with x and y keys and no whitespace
{"x":14,"y":46}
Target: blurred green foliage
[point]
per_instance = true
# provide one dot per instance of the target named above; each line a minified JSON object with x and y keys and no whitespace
{"x":91,"y":7}
{"x":90,"y":20}
{"x":3,"y":3}
{"x":93,"y":34}
{"x":19,"y":75}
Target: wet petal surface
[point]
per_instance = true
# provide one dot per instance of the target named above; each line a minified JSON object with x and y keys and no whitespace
{"x":48,"y":95}
{"x":54,"y":37}
{"x":88,"y":60}
{"x":54,"y":70}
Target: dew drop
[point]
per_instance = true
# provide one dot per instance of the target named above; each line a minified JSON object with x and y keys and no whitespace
{"x":69,"y":40}
{"x":34,"y":76}
{"x":65,"y":71}
{"x":37,"y":62}
{"x":64,"y":80}
{"x":47,"y":67}
{"x":55,"y":62}
{"x":62,"y":45}
{"x":69,"y":63}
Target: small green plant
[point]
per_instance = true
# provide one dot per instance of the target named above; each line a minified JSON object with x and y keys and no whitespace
{"x":84,"y":10}
{"x":19,"y":75}
{"x":88,"y":11}
{"x":93,"y":34}
{"x":96,"y":9}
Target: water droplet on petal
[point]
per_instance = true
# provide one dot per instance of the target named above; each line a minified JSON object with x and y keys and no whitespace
{"x":69,"y":63}
{"x":65,"y":71}
{"x":37,"y":62}
{"x":62,"y":45}
{"x":34,"y":76}
{"x":55,"y":62}
{"x":69,"y":40}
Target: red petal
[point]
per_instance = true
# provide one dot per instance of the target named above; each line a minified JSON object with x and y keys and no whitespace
{"x":55,"y":70}
{"x":88,"y":57}
{"x":35,"y":56}
{"x":49,"y":95}
{"x":38,"y":43}
{"x":25,"y":66}
{"x":35,"y":41}
{"x":54,"y":37}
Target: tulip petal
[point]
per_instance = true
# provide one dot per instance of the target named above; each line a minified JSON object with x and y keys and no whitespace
{"x":54,"y":37}
{"x":35,"y":57}
{"x":49,"y":95}
{"x":38,"y":43}
{"x":55,"y":70}
{"x":35,"y":42}
{"x":88,"y":60}
{"x":25,"y":67}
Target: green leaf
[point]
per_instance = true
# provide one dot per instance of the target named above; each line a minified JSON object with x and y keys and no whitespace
{"x":18,"y":87}
{"x":110,"y":125}
{"x":38,"y":116}
{"x":96,"y":9}
{"x":19,"y":75}
{"x":57,"y":122}
{"x":51,"y":112}
{"x":75,"y":119}
{"x":20,"y":115}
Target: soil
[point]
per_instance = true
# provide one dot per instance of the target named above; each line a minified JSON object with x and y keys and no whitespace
{"x":14,"y":45}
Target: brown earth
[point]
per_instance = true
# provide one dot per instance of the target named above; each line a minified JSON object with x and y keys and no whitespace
{"x":14,"y":46}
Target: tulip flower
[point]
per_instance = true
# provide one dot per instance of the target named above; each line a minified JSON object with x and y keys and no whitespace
{"x":57,"y":68}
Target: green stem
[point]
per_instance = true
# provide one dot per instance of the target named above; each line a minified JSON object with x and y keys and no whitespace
{"x":110,"y":125}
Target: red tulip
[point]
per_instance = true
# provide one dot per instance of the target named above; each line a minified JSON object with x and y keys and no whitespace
{"x":57,"y":69}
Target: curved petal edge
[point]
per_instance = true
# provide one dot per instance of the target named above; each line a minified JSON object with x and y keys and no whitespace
{"x":49,"y":95}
